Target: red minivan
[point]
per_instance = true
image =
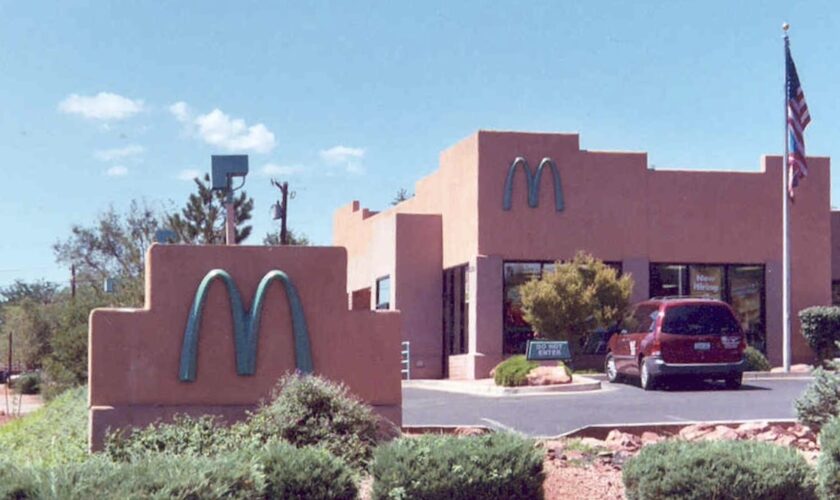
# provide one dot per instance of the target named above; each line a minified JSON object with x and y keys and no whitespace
{"x":685,"y":336}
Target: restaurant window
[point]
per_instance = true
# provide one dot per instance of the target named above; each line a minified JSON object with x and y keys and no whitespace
{"x":741,"y":286}
{"x":516,"y":331}
{"x":383,"y":293}
{"x":455,"y":310}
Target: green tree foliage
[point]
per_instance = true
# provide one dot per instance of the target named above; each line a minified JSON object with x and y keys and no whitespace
{"x":576,"y":298}
{"x":273,"y":239}
{"x":29,"y":325}
{"x":202,"y":220}
{"x":38,"y":291}
{"x":113,"y":247}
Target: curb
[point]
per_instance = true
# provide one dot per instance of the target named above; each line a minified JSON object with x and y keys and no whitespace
{"x":600,"y":431}
{"x":582,"y":384}
{"x":747,"y":376}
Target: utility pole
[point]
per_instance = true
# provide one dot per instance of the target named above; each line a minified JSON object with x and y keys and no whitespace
{"x":73,"y":281}
{"x":281,"y":209}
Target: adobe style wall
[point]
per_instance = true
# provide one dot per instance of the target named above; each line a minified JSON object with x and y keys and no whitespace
{"x":134,"y":354}
{"x":619,"y":210}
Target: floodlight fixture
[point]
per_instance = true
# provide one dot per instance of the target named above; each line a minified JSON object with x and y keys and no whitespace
{"x":224,"y":168}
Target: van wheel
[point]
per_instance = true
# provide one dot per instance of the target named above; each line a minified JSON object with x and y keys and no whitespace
{"x":646,"y":380}
{"x":610,"y":368}
{"x":734,"y":382}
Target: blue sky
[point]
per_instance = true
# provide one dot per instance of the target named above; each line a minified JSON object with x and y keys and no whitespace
{"x":105,"y":102}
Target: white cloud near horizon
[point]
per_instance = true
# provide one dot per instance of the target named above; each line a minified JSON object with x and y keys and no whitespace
{"x":119,"y":153}
{"x":347,"y":157}
{"x":102,"y":106}
{"x":270,"y":169}
{"x":117,"y":171}
{"x":219,"y":129}
{"x":189,"y":174}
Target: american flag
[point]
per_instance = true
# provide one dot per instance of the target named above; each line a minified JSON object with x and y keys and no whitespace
{"x":797,"y":119}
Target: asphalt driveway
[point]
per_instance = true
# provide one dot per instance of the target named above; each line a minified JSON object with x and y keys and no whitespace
{"x":550,"y":415}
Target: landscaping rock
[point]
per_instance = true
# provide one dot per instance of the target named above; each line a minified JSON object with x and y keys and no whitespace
{"x":721,"y":433}
{"x":751,"y":429}
{"x":470,"y":431}
{"x":695,"y":432}
{"x":618,"y":440}
{"x":548,"y":375}
{"x":651,"y":438}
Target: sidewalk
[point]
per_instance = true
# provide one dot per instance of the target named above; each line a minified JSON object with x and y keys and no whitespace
{"x":27,"y":403}
{"x":487,"y":387}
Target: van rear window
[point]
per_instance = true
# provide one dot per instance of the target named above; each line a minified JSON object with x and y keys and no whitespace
{"x":700,"y":319}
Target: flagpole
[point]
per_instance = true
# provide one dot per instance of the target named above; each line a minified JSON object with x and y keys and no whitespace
{"x":786,"y":228}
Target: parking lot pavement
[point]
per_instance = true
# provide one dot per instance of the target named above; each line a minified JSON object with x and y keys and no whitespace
{"x":552,"y":415}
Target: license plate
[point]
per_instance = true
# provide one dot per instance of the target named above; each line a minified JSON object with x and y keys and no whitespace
{"x":702,"y":346}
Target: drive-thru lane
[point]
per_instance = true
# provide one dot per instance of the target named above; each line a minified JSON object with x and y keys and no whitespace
{"x":550,"y":415}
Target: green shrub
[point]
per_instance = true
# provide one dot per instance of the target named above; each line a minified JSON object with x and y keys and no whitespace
{"x":821,"y":399}
{"x":495,"y":466}
{"x":821,"y":328}
{"x":28,"y":383}
{"x":17,"y":481}
{"x":756,"y":361}
{"x":156,"y":476}
{"x":53,"y":435}
{"x":828,"y":467}
{"x":513,"y":371}
{"x":718,"y":470}
{"x":305,"y":473}
{"x":311,"y":411}
{"x":200,"y":436}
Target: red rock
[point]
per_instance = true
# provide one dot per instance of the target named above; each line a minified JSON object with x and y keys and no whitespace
{"x":694,"y":432}
{"x":622,"y":440}
{"x":592,"y":442}
{"x":767,"y":436}
{"x":720,"y":433}
{"x":651,"y":438}
{"x":785,"y":440}
{"x":548,"y":375}
{"x":802,"y":432}
{"x":752,"y":429}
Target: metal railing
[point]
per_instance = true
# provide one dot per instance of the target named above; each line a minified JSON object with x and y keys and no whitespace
{"x":406,"y":360}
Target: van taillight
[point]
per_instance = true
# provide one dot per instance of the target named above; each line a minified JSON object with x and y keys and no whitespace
{"x":656,"y":348}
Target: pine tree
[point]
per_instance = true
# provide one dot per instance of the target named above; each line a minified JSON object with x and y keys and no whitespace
{"x":202,"y":220}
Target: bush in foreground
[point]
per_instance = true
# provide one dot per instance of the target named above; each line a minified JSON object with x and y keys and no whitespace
{"x":755,"y":360}
{"x":828,"y":467}
{"x":821,"y":399}
{"x":311,"y":411}
{"x":718,"y":470}
{"x":513,"y":371}
{"x":303,"y":411}
{"x":495,"y":466}
{"x":276,"y":470}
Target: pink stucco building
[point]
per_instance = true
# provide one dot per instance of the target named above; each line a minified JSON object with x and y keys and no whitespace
{"x":450,"y":258}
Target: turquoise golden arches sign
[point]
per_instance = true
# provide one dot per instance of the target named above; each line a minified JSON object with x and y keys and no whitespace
{"x":533,"y":183}
{"x":246,"y":324}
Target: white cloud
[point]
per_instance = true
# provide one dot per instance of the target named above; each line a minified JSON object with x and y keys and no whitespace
{"x":180,"y":111}
{"x":349,"y":158}
{"x":118,"y":153}
{"x":337,"y":155}
{"x":102,"y":106}
{"x":219,"y":129}
{"x":117,"y":171}
{"x":189,"y":174}
{"x":270,"y":169}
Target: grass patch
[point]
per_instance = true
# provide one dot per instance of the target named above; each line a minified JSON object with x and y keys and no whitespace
{"x":56,"y":434}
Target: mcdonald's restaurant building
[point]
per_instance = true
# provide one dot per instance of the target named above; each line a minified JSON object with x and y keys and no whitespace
{"x":504,"y":206}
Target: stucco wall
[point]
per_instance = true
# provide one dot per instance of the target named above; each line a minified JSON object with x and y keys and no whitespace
{"x":134,"y":354}
{"x":619,"y":210}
